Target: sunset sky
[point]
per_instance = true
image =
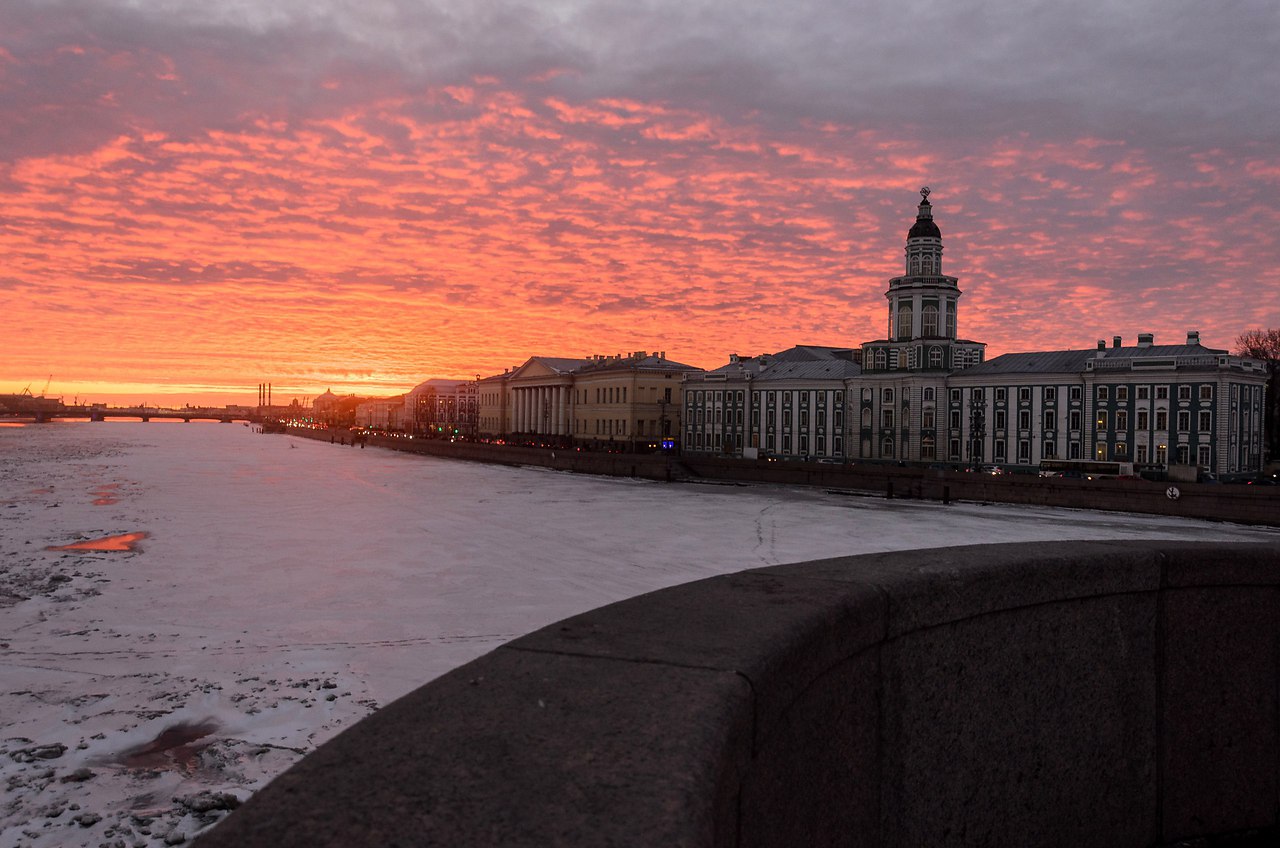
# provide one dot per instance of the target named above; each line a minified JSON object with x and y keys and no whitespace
{"x":198,"y":197}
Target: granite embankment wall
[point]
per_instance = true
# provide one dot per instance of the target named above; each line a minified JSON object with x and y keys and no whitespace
{"x":1245,"y":504}
{"x":1087,"y":694}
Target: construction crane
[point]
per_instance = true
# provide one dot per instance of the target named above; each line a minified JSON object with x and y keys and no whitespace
{"x":45,"y":391}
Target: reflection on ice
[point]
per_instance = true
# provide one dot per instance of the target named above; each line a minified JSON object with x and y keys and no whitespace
{"x":123,"y":542}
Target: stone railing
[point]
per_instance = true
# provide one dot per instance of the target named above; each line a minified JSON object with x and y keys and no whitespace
{"x":1041,"y":694}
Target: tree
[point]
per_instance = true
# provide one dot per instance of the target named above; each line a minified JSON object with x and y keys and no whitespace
{"x":1265,"y":345}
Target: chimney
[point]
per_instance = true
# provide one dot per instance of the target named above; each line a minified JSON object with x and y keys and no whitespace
{"x":1115,"y":341}
{"x":1193,"y":337}
{"x":1102,"y":344}
{"x":1146,"y":339}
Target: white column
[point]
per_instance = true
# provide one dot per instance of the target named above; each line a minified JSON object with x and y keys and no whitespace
{"x":561,"y":428}
{"x":538,"y":408}
{"x":522,"y":410}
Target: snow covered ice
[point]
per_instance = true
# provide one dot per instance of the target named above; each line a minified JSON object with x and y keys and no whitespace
{"x":284,"y":588}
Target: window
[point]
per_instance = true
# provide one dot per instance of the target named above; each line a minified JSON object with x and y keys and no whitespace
{"x":1162,"y":420}
{"x":1122,"y":449}
{"x":1102,"y":419}
{"x":1051,"y":394}
{"x":886,"y":418}
{"x":928,"y":392}
{"x":886,"y":448}
{"x":1142,"y":454}
{"x":935,"y":357}
{"x":1075,"y":395}
{"x":1184,"y":454}
{"x":1024,"y":419}
{"x":1162,"y":454}
{"x":1073,"y":450}
{"x":887,"y":396}
{"x":1074,"y":422}
{"x":927,"y":450}
{"x":1103,"y":393}
{"x":1122,"y":420}
{"x":1184,"y":393}
{"x":1206,"y":421}
{"x":1162,"y":392}
{"x":953,"y":449}
{"x":904,"y":321}
{"x":1049,"y":419}
{"x":1143,"y":419}
{"x":926,"y":419}
{"x":866,"y":418}
{"x":955,"y":395}
{"x":929,"y":328}
{"x":999,"y":450}
{"x":955,"y":419}
{"x":1184,"y":421}
{"x":1024,"y":451}
{"x":1202,"y":452}
{"x":1049,"y":451}
{"x":1001,"y":419}
{"x":1122,"y":393}
{"x":1206,"y":393}
{"x":1144,"y":392}
{"x":1001,"y":395}
{"x":1024,"y":393}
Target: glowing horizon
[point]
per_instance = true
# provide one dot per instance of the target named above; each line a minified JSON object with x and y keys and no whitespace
{"x":192,"y":204}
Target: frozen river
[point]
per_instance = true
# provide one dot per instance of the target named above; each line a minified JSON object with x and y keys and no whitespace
{"x":284,"y":588}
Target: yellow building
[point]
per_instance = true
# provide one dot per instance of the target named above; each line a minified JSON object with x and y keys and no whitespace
{"x":631,"y":401}
{"x":627,"y":402}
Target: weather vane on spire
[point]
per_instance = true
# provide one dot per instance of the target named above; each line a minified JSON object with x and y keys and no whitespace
{"x":924,"y":193}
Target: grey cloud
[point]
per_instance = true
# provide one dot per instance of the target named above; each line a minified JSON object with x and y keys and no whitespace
{"x":1159,"y":71}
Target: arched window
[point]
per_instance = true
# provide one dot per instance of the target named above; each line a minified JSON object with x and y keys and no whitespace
{"x":904,"y":321}
{"x":886,"y":448}
{"x":866,"y":418}
{"x":880,"y":359}
{"x":929,"y":320}
{"x":935,"y":357}
{"x":915,"y":264}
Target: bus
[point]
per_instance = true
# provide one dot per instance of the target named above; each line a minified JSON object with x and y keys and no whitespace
{"x":1086,"y":469}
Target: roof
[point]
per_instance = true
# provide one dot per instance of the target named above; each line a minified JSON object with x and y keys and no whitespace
{"x":1038,"y":362}
{"x":561,"y":365}
{"x":809,"y":353}
{"x":1074,"y":361}
{"x":634,"y":363}
{"x":828,"y":369}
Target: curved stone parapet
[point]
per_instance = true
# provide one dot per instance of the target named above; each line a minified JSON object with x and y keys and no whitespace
{"x":1043,"y":694}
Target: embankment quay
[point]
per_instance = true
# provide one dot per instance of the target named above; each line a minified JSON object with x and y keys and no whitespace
{"x":1216,"y":502}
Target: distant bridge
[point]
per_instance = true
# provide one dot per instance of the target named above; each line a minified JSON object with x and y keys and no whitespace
{"x":144,"y":413}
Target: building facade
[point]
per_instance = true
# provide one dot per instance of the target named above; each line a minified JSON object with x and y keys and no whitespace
{"x":923,"y":394}
{"x":624,"y":402}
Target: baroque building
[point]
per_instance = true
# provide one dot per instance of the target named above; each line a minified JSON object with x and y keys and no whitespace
{"x":924,"y":394}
